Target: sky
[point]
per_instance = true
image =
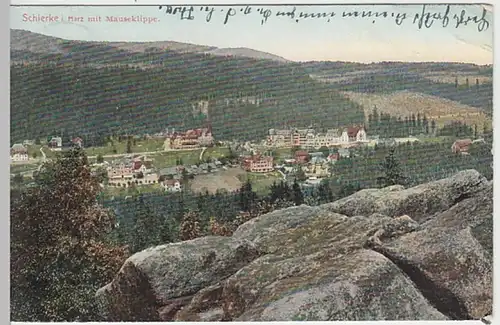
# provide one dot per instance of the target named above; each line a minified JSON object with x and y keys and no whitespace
{"x":339,"y":39}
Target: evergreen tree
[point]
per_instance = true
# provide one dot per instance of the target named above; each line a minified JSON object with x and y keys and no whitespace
{"x":376,"y":121}
{"x":425,"y":124}
{"x":99,"y":159}
{"x":413,"y":122}
{"x":129,"y":145}
{"x":433,"y":127}
{"x":392,"y":173}
{"x":298,"y":196}
{"x":456,"y":82}
{"x":247,"y":196}
{"x":147,"y":228}
{"x":324,"y":192}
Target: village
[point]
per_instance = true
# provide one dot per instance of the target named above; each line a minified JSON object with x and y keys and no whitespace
{"x":287,"y":154}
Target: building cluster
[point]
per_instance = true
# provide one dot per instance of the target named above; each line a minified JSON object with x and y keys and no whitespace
{"x":309,"y":139}
{"x":257,"y":163}
{"x":190,"y":139}
{"x":56,"y":143}
{"x":136,"y":169}
{"x":315,"y":165}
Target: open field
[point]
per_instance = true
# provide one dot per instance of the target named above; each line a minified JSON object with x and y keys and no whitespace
{"x":449,"y":78}
{"x":149,"y":145}
{"x":216,"y":152}
{"x":226,"y":179}
{"x":260,"y":182}
{"x":232,"y":180}
{"x":113,"y":191}
{"x":405,"y":103}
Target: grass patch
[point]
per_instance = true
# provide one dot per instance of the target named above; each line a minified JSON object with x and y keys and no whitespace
{"x":115,"y":191}
{"x":260,"y":182}
{"x":14,"y":169}
{"x":138,"y":146}
{"x":216,"y":152}
{"x":170,"y":159}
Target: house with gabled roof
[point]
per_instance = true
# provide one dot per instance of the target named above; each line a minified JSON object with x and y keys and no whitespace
{"x":55,"y":143}
{"x":461,"y":146}
{"x":18,"y":152}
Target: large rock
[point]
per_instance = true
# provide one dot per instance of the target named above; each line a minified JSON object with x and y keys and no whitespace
{"x":152,"y":281}
{"x":475,"y":212}
{"x":361,"y":285}
{"x":420,"y":202}
{"x":423,"y":253}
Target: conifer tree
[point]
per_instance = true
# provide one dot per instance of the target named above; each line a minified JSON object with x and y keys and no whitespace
{"x":392,"y":173}
{"x":298,"y":196}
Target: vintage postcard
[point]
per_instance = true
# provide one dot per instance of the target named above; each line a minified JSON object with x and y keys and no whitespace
{"x":251,"y":162}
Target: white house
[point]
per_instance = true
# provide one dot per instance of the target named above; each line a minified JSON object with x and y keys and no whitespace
{"x":18,"y":152}
{"x":353,"y":134}
{"x":172,"y":185}
{"x":55,"y":143}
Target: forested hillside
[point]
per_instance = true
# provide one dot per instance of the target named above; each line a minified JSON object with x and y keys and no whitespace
{"x":94,"y":89}
{"x":84,"y":98}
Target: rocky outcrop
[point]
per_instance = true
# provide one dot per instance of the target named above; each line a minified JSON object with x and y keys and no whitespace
{"x":423,"y":253}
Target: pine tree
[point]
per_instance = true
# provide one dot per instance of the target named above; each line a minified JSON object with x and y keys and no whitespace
{"x":129,"y":145}
{"x":419,"y":123}
{"x":146,"y":228}
{"x":325,"y":194}
{"x":433,"y":127}
{"x":425,"y":124}
{"x":298,"y":196}
{"x":247,"y":196}
{"x":392,"y":173}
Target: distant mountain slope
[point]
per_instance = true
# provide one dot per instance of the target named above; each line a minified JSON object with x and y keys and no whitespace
{"x":246,"y":52}
{"x":405,"y":103}
{"x":22,"y":40}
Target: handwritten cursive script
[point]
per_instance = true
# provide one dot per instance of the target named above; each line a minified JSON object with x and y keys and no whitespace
{"x":425,"y":18}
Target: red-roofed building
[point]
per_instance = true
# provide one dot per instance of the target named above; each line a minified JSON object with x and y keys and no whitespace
{"x":301,"y":156}
{"x":172,"y":185}
{"x":258,"y":164}
{"x":77,"y":142}
{"x":461,"y":146}
{"x":191,"y":139}
{"x":139,"y":166}
{"x":353,"y":134}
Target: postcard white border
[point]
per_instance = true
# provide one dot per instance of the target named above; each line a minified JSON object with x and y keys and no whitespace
{"x":5,"y":120}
